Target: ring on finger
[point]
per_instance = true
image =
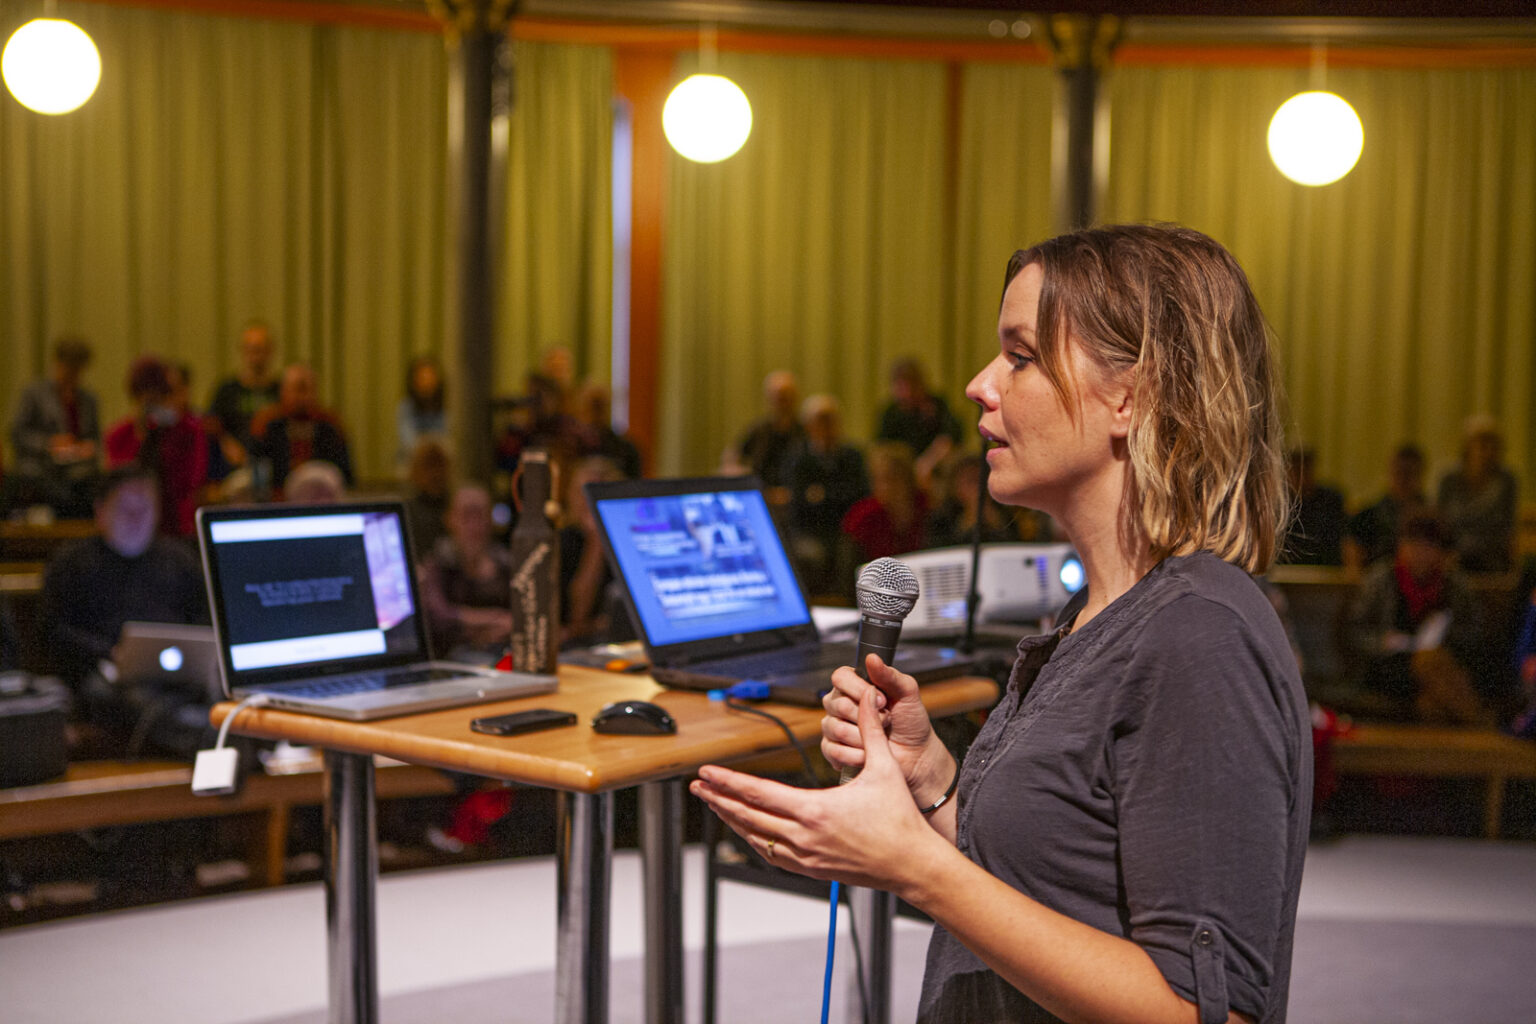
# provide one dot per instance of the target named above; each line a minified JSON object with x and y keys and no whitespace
{"x":768,"y":848}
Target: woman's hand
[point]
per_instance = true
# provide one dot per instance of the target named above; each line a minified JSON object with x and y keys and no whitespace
{"x":866,"y":833}
{"x":924,"y":762}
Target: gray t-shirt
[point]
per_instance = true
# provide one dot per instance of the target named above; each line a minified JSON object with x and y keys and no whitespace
{"x":1150,"y":775}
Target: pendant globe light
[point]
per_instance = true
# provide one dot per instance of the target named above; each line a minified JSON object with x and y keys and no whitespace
{"x":51,"y":66}
{"x":707,"y":117}
{"x":1316,"y":138}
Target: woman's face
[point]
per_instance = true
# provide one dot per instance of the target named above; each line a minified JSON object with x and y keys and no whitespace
{"x":1042,"y":456}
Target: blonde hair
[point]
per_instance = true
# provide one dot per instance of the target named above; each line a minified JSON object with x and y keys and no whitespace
{"x":1171,"y":306}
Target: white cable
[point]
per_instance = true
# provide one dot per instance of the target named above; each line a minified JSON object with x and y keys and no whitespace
{"x":254,"y":700}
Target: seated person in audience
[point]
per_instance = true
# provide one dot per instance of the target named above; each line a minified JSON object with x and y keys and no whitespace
{"x":769,"y":446}
{"x":539,"y":420}
{"x":237,"y":399}
{"x":466,"y":581}
{"x":55,"y":432}
{"x":316,"y":482}
{"x":1525,"y":670}
{"x":297,"y":429}
{"x":891,"y":520}
{"x":954,"y":520}
{"x":585,"y":605}
{"x":918,"y":418}
{"x":594,"y":411}
{"x":91,"y":588}
{"x":429,"y":493}
{"x":825,"y":479}
{"x":1316,"y":535}
{"x":422,"y":413}
{"x":1477,"y":500}
{"x":165,"y":439}
{"x":1413,"y":624}
{"x":1372,"y":532}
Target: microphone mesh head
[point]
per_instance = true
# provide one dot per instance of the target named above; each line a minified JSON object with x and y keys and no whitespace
{"x":887,"y":588}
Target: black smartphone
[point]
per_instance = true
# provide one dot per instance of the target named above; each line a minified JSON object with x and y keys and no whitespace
{"x":523,"y":721}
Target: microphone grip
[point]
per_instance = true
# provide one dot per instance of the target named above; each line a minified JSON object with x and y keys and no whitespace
{"x":876,"y":636}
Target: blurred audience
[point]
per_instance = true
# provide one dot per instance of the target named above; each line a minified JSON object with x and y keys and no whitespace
{"x":892,"y":519}
{"x":316,"y":482}
{"x":297,"y":429}
{"x":1372,"y":532}
{"x":1414,"y":625}
{"x":1477,"y":500}
{"x":236,"y":400}
{"x":91,"y":588}
{"x":918,"y":418}
{"x":594,"y":411}
{"x":769,"y":446}
{"x":430,"y":493}
{"x":55,"y":431}
{"x":826,"y":477}
{"x":422,"y":412}
{"x":466,"y":582}
{"x":953,"y":521}
{"x":166,"y":439}
{"x":585,"y":607}
{"x":1316,"y":535}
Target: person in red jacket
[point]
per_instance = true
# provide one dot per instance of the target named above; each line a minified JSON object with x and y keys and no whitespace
{"x":163,"y":438}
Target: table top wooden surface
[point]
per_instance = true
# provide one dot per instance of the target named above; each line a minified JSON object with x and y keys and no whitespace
{"x":574,"y":758}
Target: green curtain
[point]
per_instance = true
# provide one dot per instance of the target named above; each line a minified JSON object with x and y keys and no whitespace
{"x":1003,"y":198}
{"x":558,"y":242}
{"x":819,"y":247}
{"x":1402,"y":296}
{"x":230,"y":168}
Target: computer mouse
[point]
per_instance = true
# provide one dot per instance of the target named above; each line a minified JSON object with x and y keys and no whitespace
{"x":634,"y":718}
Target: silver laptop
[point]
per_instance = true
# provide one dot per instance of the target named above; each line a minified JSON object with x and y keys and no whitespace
{"x":316,"y":606}
{"x":170,"y":654}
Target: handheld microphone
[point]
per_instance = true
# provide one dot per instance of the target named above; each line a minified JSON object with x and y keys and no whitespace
{"x":886,"y":592}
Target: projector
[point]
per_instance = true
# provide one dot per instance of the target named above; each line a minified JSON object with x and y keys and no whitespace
{"x":1018,"y":584}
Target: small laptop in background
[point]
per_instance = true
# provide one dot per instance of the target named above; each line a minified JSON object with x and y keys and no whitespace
{"x":170,"y":654}
{"x":713,"y":594}
{"x":316,"y":606}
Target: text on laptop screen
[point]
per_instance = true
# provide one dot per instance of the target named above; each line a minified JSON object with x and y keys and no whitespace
{"x":309,"y":589}
{"x":703,"y":565}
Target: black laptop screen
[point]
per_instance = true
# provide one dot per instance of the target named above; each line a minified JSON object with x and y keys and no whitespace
{"x":702,"y":565}
{"x":313,"y":589}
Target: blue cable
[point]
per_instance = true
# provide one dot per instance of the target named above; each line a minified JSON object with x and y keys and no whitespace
{"x":826,"y":985}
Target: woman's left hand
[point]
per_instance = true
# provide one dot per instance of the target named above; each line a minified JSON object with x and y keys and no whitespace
{"x":867,"y":833}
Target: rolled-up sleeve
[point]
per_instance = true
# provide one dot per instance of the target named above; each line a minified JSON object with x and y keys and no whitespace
{"x":1204,"y":790}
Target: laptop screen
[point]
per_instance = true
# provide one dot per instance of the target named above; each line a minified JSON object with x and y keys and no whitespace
{"x":702,"y":564}
{"x":309,"y":587}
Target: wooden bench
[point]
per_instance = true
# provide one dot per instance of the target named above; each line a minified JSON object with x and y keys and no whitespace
{"x":1439,"y":752}
{"x":94,"y":794}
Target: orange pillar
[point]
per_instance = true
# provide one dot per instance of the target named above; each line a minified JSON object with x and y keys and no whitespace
{"x":643,"y":77}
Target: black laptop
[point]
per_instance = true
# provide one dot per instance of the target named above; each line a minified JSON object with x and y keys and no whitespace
{"x":713,"y":594}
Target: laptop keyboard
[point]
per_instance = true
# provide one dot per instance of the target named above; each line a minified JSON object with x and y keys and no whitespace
{"x":791,"y":661}
{"x":364,"y":682}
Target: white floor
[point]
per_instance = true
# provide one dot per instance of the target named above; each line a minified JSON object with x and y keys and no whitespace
{"x":185,"y":962}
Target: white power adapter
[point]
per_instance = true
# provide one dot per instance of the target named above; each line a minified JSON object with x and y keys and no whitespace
{"x":216,"y":772}
{"x":213,"y":774}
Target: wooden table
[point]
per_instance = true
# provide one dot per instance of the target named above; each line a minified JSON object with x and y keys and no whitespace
{"x":586,"y":769}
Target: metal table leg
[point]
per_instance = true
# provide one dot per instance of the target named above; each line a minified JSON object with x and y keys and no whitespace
{"x":585,"y":862}
{"x":873,"y":912}
{"x":661,"y":860}
{"x":350,"y":901}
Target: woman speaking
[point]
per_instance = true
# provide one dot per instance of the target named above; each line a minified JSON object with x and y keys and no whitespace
{"x":1126,"y":837}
